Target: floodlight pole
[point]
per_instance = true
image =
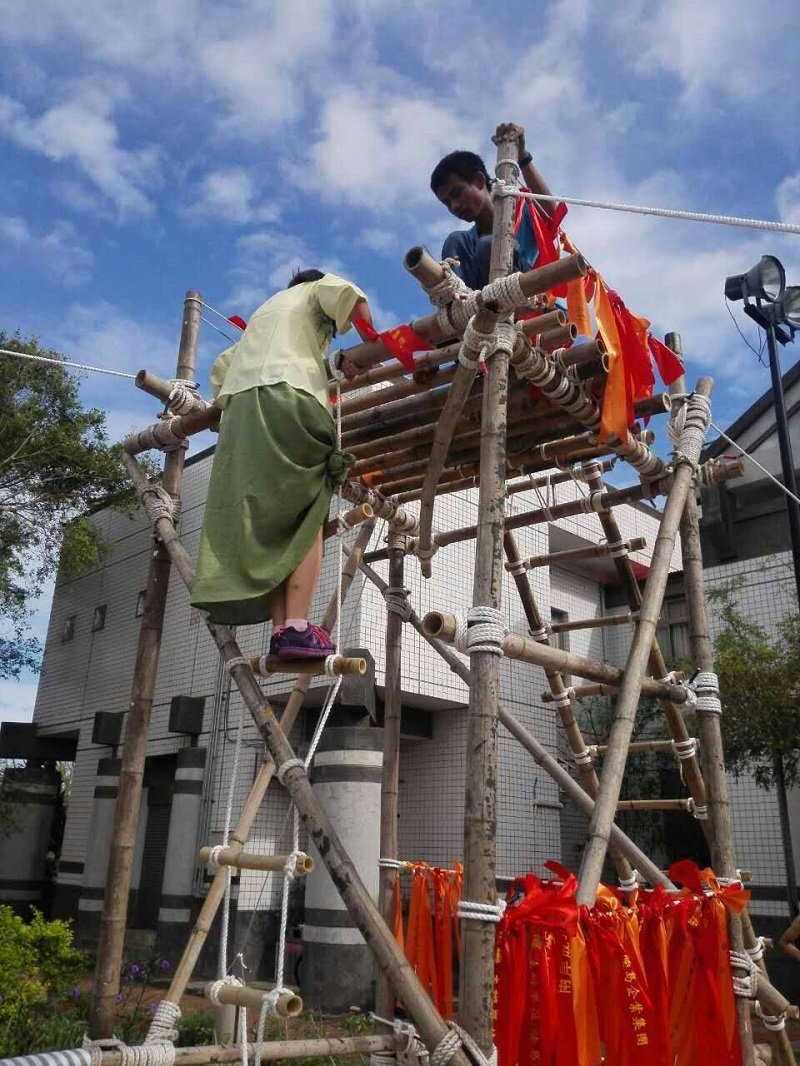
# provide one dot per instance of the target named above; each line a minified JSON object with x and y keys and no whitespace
{"x":774,"y":333}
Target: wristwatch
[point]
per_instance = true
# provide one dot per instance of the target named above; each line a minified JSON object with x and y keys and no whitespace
{"x":525,"y":159}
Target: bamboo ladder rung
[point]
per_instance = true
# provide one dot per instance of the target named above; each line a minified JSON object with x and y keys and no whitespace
{"x":601,"y":622}
{"x":591,"y":551}
{"x":289,"y":1004}
{"x":336,"y":665}
{"x":244,"y":860}
{"x":639,"y":747}
{"x":656,"y":805}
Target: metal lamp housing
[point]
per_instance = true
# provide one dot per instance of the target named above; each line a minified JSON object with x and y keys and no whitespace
{"x":764,"y":281}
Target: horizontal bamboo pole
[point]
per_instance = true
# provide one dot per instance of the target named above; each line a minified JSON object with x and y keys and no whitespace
{"x":338,"y":665}
{"x":398,"y":391}
{"x":627,"y":619}
{"x":424,"y":365}
{"x":639,"y":747}
{"x":583,"y":692}
{"x":443,"y":627}
{"x":553,"y":338}
{"x":583,"y":352}
{"x":289,"y":1004}
{"x":654,"y":805}
{"x":270,"y":1052}
{"x":244,"y":860}
{"x":591,"y":551}
{"x":355,"y":517}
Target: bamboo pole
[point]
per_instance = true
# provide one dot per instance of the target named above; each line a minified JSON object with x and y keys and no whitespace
{"x":601,"y":622}
{"x":289,"y":1004}
{"x":720,"y":824}
{"x":238,"y":838}
{"x":338,"y":665}
{"x":638,"y":747}
{"x":390,"y":776}
{"x":561,"y":693}
{"x":485,"y":321}
{"x":244,"y":860}
{"x":721,"y":471}
{"x":690,"y":767}
{"x":614,"y":767}
{"x":683,"y":804}
{"x":353,"y":892}
{"x":480,"y":800}
{"x":134,"y":749}
{"x":592,"y":551}
{"x":540,"y":754}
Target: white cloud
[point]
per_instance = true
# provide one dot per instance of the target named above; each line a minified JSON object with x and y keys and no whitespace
{"x":788,"y":199}
{"x":59,"y":254}
{"x":377,"y":150}
{"x":230,"y":194}
{"x":80,"y":131}
{"x":104,"y":335}
{"x":265,"y":261}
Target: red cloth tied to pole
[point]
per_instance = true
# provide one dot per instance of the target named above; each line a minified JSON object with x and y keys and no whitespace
{"x":533,"y":227}
{"x":670,"y":366}
{"x":402,"y":341}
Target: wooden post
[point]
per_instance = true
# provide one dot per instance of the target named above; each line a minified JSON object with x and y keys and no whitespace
{"x":392,"y":705}
{"x":126,"y":812}
{"x":630,"y":690}
{"x":480,"y":803}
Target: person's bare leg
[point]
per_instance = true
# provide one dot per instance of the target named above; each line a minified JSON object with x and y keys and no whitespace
{"x":277,"y":604}
{"x":302,"y":583}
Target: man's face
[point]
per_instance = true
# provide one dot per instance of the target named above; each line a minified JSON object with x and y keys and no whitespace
{"x":464,"y":199}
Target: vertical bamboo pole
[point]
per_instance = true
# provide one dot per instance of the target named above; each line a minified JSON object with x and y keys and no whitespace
{"x":720,"y":827}
{"x":480,"y":805}
{"x":126,"y":812}
{"x":630,"y":690}
{"x":555,"y":679}
{"x":392,"y":705}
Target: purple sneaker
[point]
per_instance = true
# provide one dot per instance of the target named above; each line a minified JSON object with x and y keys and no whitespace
{"x":311,"y":643}
{"x":273,"y":655}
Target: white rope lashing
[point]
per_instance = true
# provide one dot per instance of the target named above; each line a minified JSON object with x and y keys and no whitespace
{"x":745,"y":987}
{"x":630,"y":884}
{"x":482,"y":912}
{"x":706,"y":687}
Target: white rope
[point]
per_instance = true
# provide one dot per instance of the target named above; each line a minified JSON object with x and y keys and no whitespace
{"x":147,"y":1055}
{"x":582,"y":758}
{"x":450,"y":288}
{"x":226,"y":902}
{"x":685,"y":749}
{"x":164,"y":1023}
{"x":756,"y":463}
{"x":630,"y":884}
{"x":664,"y":212}
{"x":182,"y":399}
{"x":706,"y":687}
{"x":66,"y":362}
{"x":286,"y":766}
{"x":772,"y":1022}
{"x":391,"y":864}
{"x":486,"y":630}
{"x":452,"y":1041}
{"x":756,"y":952}
{"x":744,"y":987}
{"x":475,"y":346}
{"x":396,"y":599}
{"x":563,"y":699}
{"x":482,"y":912}
{"x":235,"y":660}
{"x":698,"y":810}
{"x":540,"y":634}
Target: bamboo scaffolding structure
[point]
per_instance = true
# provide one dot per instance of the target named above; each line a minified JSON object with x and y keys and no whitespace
{"x":583,"y":692}
{"x":238,"y":838}
{"x":244,"y":860}
{"x":690,"y":767}
{"x":571,"y":555}
{"x":540,"y":754}
{"x":353,"y":517}
{"x":390,"y":774}
{"x":443,"y":626}
{"x":560,"y":691}
{"x":288,"y":1005}
{"x":719,"y":825}
{"x":638,"y":747}
{"x":337,"y":665}
{"x":632,"y":684}
{"x":601,"y":622}
{"x":134,"y":748}
{"x":480,"y":801}
{"x":352,"y":890}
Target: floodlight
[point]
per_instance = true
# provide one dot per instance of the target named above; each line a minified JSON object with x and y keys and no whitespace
{"x":787,"y":309}
{"x":765,"y":281}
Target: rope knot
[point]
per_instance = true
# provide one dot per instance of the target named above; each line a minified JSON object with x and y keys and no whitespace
{"x":744,"y":986}
{"x":486,"y":630}
{"x":396,"y":599}
{"x":706,"y":688}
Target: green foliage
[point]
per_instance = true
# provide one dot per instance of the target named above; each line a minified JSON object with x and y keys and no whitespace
{"x":38,"y":967}
{"x":55,"y":463}
{"x":196,"y":1029}
{"x":760,"y":685}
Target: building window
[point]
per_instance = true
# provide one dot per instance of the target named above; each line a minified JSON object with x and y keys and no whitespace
{"x":68,"y":632}
{"x":673,"y":630}
{"x":560,"y":638}
{"x":141,"y":600}
{"x":99,"y":619}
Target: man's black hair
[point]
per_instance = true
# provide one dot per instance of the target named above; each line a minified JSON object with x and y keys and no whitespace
{"x":300,"y":277}
{"x":464,"y":165}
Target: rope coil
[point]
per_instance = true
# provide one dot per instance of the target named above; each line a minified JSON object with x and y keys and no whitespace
{"x":285,"y":767}
{"x":450,"y":288}
{"x":396,"y":599}
{"x":486,"y":630}
{"x":163,"y":1025}
{"x":482,"y":912}
{"x":756,"y":952}
{"x":630,"y":884}
{"x":706,"y":688}
{"x":582,"y":758}
{"x":685,"y":749}
{"x":772,"y":1022}
{"x":745,"y":987}
{"x":233,"y":662}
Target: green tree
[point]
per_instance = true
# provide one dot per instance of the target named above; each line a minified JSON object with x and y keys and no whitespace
{"x":760,"y":684}
{"x":55,"y":464}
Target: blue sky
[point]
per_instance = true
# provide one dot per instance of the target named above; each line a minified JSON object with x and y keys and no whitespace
{"x":185,"y":144}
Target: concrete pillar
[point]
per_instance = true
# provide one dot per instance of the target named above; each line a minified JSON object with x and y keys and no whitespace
{"x":98,"y":845}
{"x":32,"y":794}
{"x":175,"y":914}
{"x":337,"y":970}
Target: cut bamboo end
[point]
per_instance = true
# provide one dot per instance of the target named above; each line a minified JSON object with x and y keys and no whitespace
{"x":442,"y":626}
{"x":289,"y":1004}
{"x":336,"y":665}
{"x":243,"y":860}
{"x":419,"y":262}
{"x":349,"y":519}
